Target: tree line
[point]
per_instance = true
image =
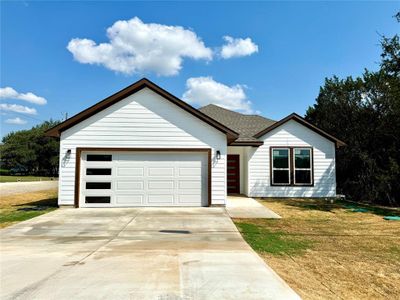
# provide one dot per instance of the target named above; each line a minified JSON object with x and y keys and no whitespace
{"x":364,"y":112}
{"x":30,"y":152}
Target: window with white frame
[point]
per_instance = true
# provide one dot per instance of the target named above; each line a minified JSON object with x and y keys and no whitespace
{"x":291,"y":166}
{"x":281,"y":166}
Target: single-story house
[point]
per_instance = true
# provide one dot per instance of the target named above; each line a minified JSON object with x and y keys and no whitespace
{"x":145,"y":147}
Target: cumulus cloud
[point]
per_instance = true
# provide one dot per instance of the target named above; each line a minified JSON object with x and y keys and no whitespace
{"x":237,"y":47}
{"x":10,"y":93}
{"x":205,"y":90}
{"x":18,"y":108}
{"x":137,"y":47}
{"x":16,"y":121}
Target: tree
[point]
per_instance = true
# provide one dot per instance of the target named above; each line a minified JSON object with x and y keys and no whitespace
{"x":365,"y":113}
{"x":31,"y":150}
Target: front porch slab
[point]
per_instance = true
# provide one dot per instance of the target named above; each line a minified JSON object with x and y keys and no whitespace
{"x":248,"y":208}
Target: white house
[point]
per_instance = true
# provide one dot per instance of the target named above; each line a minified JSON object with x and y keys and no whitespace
{"x":144,"y":147}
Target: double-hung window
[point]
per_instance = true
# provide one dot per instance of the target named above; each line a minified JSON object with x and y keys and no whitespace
{"x":281,"y":166}
{"x":291,"y":166}
{"x":302,"y":169}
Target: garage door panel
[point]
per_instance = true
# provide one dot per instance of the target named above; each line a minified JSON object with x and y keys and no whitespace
{"x":130,"y":171}
{"x":157,"y":171}
{"x":192,"y":199}
{"x":128,"y":164}
{"x":160,"y":199}
{"x":188,"y":184}
{"x":185,"y":171}
{"x":147,"y":179}
{"x":129,"y":158}
{"x":130,"y":199}
{"x":129,"y":185}
{"x":160,"y":184}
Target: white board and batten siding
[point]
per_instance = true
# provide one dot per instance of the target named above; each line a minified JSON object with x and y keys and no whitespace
{"x":292,"y":133}
{"x":142,"y":120}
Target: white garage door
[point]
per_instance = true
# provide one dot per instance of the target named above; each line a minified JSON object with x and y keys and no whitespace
{"x":120,"y":179}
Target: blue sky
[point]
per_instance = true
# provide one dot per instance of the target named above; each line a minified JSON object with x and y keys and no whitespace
{"x":298,"y":45}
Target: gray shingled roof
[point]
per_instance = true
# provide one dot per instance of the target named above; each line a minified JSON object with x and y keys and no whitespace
{"x":246,"y":125}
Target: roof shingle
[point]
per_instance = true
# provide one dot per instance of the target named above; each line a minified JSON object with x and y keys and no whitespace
{"x":246,"y":125}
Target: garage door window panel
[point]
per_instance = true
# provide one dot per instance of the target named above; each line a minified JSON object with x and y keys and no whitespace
{"x":99,"y":157}
{"x":98,"y":171}
{"x":98,"y":185}
{"x":98,"y":199}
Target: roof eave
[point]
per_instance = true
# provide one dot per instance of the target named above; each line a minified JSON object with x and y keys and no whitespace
{"x":302,"y":121}
{"x":247,"y":143}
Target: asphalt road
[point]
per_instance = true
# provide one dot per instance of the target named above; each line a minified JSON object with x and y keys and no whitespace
{"x":11,"y":188}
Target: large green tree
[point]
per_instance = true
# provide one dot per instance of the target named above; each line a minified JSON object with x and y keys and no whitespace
{"x":31,"y":150}
{"x":365,"y":113}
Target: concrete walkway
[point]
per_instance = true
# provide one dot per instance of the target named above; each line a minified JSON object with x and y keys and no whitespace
{"x":148,"y":253}
{"x":11,"y":188}
{"x":243,"y":207}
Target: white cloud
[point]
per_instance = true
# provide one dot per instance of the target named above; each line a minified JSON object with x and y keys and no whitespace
{"x":10,"y":93}
{"x":16,"y":121}
{"x":205,"y":90}
{"x":137,"y":47}
{"x":238,"y":47}
{"x":18,"y":108}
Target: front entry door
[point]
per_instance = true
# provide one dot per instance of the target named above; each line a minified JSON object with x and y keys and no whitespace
{"x":233,"y":175}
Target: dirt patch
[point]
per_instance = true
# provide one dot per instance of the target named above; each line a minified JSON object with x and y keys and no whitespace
{"x":354,"y":255}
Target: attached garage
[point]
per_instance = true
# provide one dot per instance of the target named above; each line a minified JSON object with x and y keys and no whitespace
{"x":143,"y":177}
{"x":142,"y":147}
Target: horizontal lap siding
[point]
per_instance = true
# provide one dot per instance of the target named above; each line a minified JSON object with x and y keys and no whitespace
{"x":293,"y":134}
{"x":142,"y":120}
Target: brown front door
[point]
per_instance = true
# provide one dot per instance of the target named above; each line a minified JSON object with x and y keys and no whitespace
{"x":233,"y":175}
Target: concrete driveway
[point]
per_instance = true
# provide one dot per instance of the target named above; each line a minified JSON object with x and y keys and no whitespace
{"x":147,"y":253}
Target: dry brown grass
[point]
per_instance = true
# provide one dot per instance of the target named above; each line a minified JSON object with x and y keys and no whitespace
{"x":20,"y":207}
{"x":352,"y":255}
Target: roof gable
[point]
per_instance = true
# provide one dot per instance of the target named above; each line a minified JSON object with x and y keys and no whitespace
{"x":135,"y":87}
{"x":302,"y":121}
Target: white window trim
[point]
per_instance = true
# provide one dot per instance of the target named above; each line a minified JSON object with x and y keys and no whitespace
{"x":302,"y":169}
{"x":280,"y":169}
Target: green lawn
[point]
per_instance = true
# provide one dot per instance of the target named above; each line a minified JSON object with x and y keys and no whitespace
{"x":326,"y":250}
{"x":21,"y":207}
{"x":9,"y":178}
{"x":274,"y":242}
